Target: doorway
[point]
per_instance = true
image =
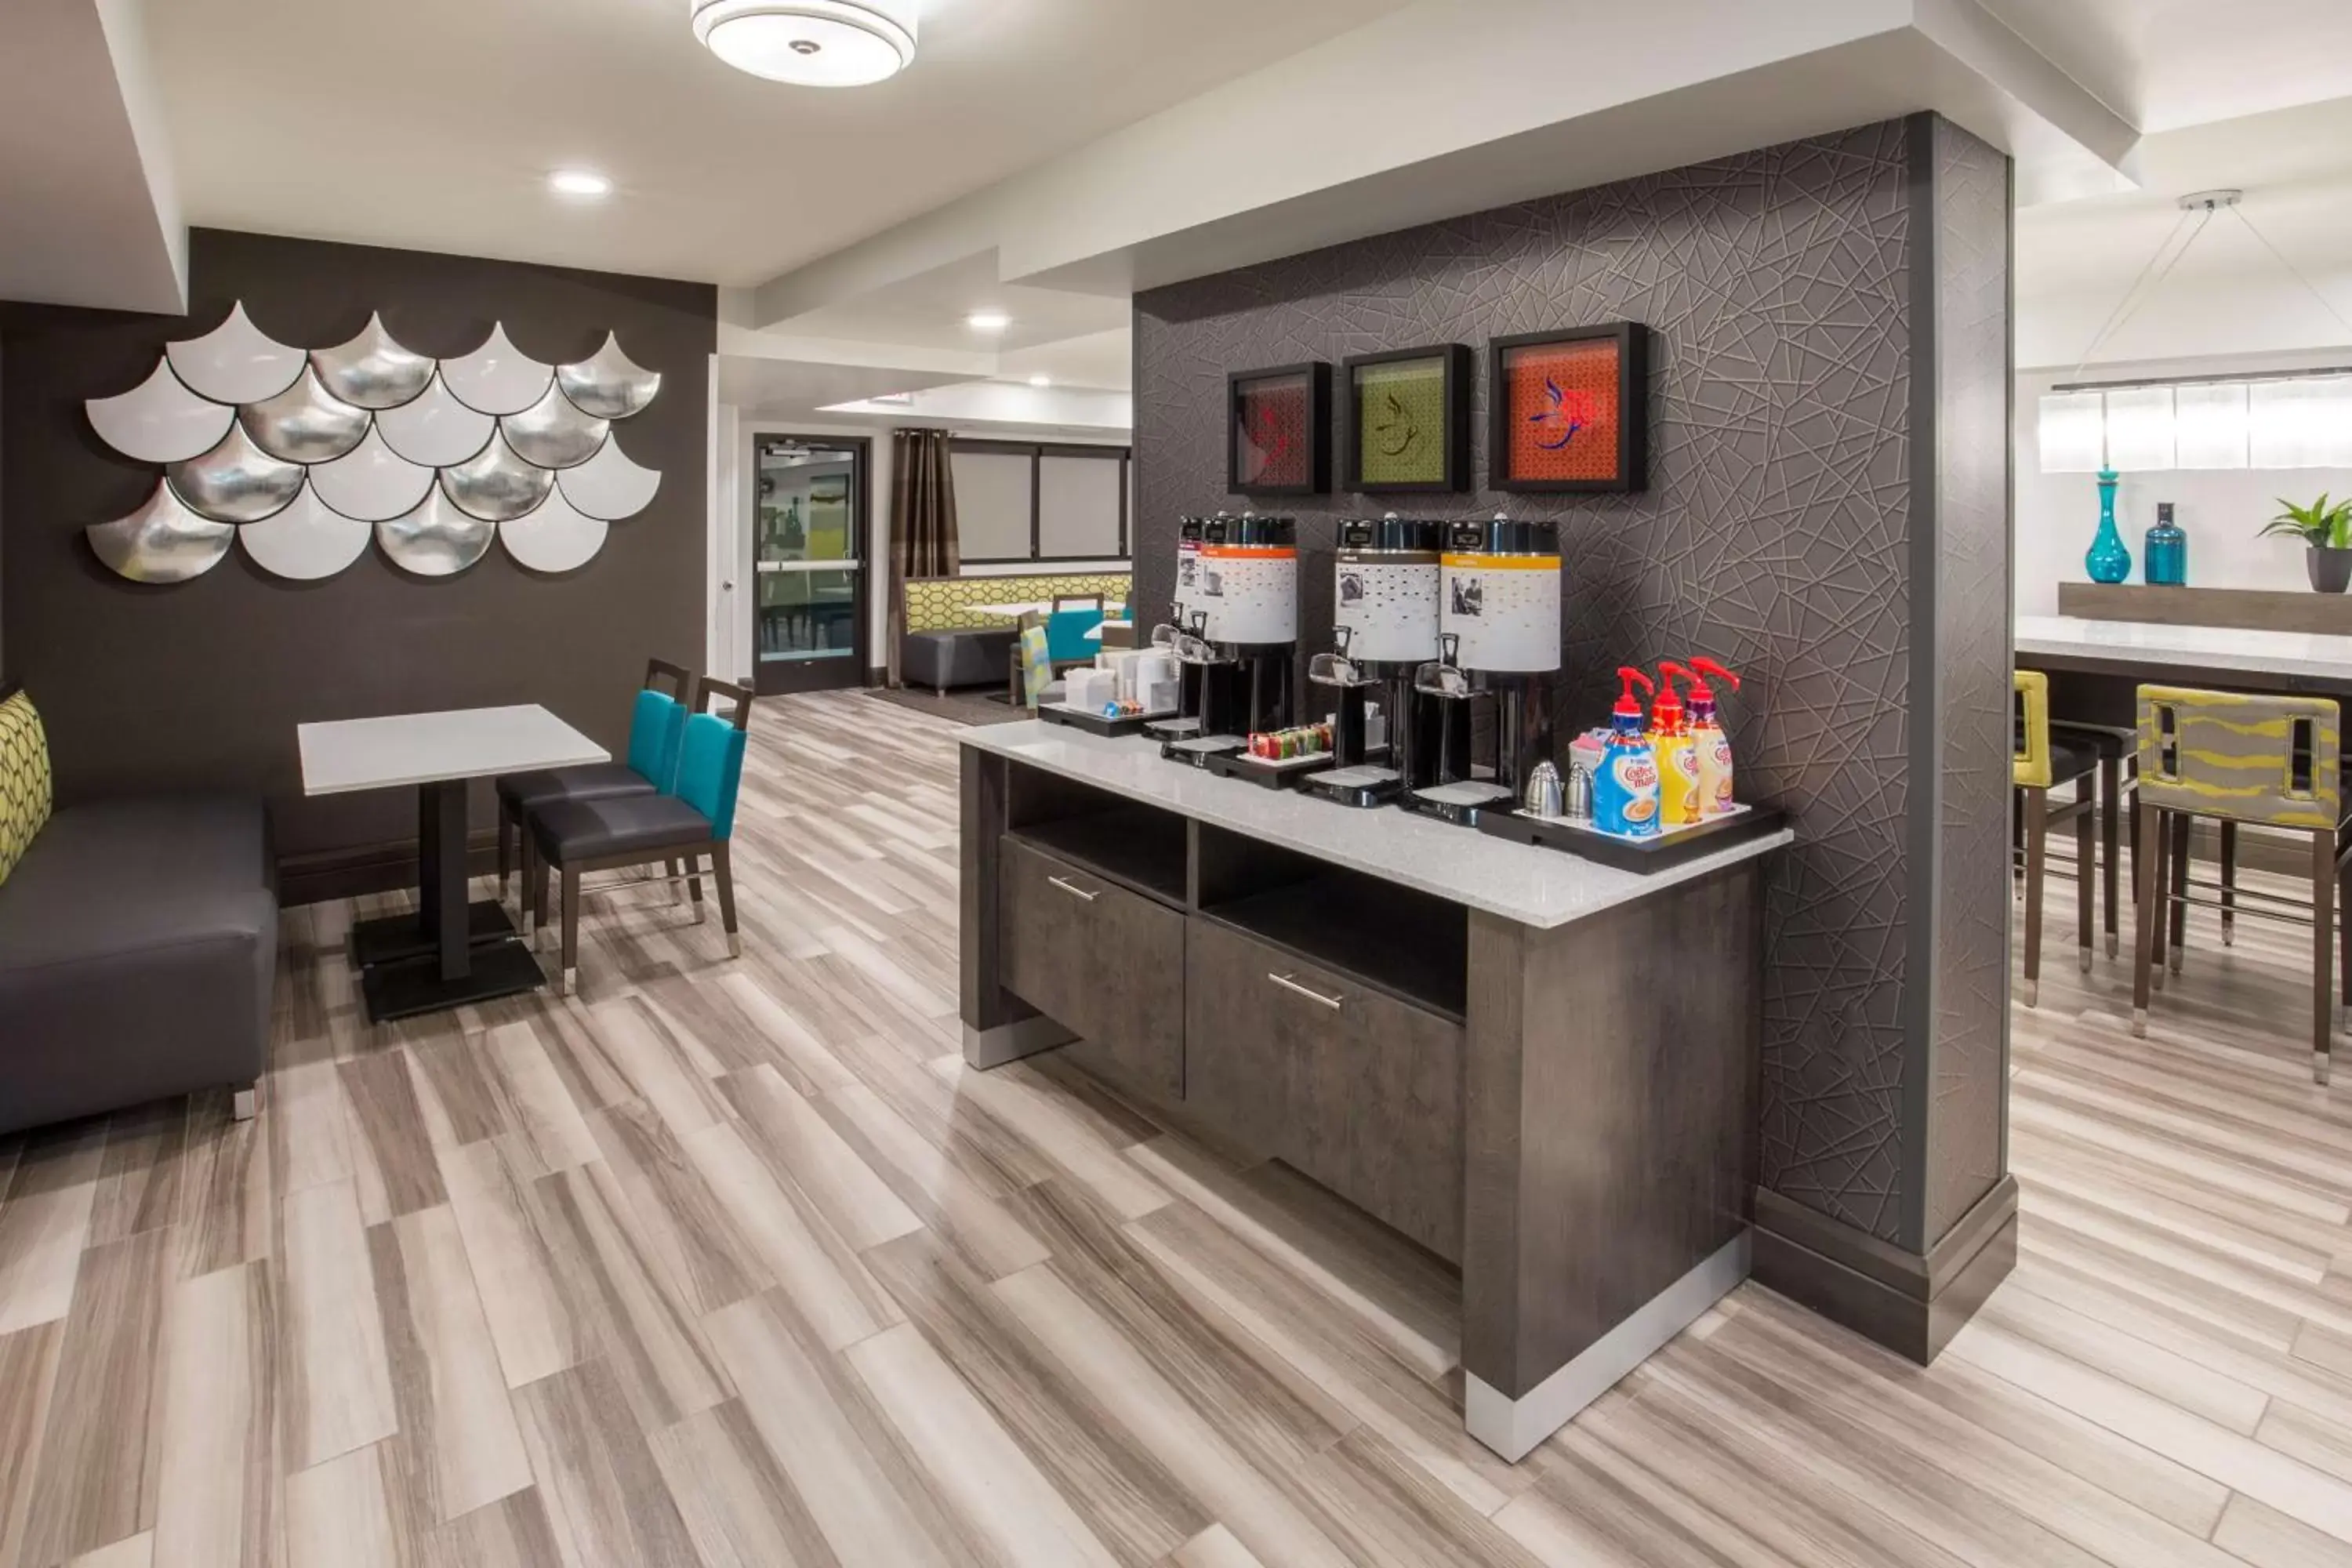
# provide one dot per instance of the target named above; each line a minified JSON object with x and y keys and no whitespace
{"x":809,"y":535}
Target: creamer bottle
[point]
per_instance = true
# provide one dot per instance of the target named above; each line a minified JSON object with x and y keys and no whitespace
{"x":1625,"y":789}
{"x":1707,"y":734}
{"x":1677,"y":753}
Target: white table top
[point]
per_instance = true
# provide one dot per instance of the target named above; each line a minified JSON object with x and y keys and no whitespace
{"x":2252,"y":653}
{"x":426,"y":748}
{"x":1094,"y":633}
{"x":1522,"y":882}
{"x":1013,"y":612}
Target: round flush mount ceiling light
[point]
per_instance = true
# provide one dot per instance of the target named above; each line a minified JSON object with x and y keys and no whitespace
{"x":584,"y":184}
{"x":810,"y":43}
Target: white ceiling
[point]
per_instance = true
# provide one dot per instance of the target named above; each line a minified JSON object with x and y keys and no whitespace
{"x":930,"y":308}
{"x":2166,"y":64}
{"x":432,"y":124}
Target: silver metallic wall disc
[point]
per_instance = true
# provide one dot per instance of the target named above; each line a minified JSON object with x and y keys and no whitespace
{"x":553,"y":433}
{"x":436,"y":540}
{"x":497,"y":485}
{"x":372,"y":371}
{"x":608,"y":384}
{"x":305,"y":423}
{"x":162,"y":542}
{"x":236,"y":481}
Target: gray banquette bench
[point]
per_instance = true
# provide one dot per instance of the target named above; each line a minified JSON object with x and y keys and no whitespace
{"x":138,"y":942}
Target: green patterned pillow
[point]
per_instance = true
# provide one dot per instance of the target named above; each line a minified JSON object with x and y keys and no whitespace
{"x":23,"y":780}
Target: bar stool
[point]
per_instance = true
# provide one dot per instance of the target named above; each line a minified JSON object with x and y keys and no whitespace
{"x":2118,"y":746}
{"x":2040,"y":761}
{"x":2275,"y":762}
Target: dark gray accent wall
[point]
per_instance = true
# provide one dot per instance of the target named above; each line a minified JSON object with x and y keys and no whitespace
{"x":200,"y":685}
{"x":1776,"y":536}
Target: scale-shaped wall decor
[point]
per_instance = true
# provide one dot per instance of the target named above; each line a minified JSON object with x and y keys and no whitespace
{"x":304,"y":456}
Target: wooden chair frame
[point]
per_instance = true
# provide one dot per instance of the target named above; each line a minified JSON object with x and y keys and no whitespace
{"x":690,"y":855}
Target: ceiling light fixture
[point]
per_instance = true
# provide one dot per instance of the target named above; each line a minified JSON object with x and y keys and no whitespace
{"x":810,"y":42}
{"x":585,"y":183}
{"x":988,"y":320}
{"x":1041,"y":381}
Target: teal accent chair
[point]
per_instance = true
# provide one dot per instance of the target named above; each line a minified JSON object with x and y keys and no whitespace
{"x":656,"y":726}
{"x":693,"y":820}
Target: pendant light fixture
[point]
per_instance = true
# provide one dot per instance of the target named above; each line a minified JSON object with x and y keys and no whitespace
{"x":2274,"y":420}
{"x":810,"y":42}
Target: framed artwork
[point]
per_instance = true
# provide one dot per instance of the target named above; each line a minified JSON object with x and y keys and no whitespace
{"x":1570,"y":409}
{"x":1275,"y":426}
{"x":1408,"y":419}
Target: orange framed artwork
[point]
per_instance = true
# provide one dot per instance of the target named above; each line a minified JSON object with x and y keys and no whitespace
{"x":1570,"y":409}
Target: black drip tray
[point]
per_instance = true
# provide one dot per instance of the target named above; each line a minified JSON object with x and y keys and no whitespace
{"x":1641,"y":856}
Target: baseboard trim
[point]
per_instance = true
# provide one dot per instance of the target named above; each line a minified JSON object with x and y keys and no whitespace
{"x":1513,"y":1427}
{"x":1911,"y":1304}
{"x":985,"y":1048}
{"x":324,"y":877}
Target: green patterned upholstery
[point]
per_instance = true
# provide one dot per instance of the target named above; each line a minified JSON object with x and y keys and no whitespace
{"x":24,"y":779}
{"x":2228,"y":754}
{"x":944,"y":604}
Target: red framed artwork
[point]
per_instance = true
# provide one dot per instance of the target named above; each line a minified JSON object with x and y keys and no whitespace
{"x":1569,"y":409}
{"x":1276,"y":423}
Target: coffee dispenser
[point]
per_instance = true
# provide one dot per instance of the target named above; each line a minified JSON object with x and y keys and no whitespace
{"x":1181,"y":630}
{"x":1499,"y":636}
{"x":1387,"y":582}
{"x":1246,"y":604}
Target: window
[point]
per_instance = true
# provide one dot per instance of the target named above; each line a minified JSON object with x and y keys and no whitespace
{"x":1018,"y":500}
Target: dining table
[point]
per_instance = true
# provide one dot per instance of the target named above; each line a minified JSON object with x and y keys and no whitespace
{"x":2224,"y":657}
{"x":449,"y":951}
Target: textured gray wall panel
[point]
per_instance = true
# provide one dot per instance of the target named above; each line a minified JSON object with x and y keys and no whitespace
{"x":1774,"y":536}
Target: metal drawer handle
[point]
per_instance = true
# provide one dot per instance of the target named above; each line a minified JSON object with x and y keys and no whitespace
{"x":1074,"y":889}
{"x":1287,"y":983}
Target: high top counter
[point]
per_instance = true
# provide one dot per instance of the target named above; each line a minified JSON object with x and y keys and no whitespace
{"x":1537,"y":1067}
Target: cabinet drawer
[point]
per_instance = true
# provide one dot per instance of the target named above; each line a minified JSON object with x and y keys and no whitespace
{"x":1106,"y":964}
{"x":1353,"y":1086}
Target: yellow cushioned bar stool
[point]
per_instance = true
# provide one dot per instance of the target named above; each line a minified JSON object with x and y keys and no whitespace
{"x":2039,"y":763}
{"x":2272,"y":762}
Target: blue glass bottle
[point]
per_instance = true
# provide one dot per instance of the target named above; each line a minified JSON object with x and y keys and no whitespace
{"x":2108,"y":561}
{"x":2167,"y":560}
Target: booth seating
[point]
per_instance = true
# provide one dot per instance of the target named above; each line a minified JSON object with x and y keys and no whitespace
{"x":138,"y":942}
{"x":946,"y":644}
{"x":657,"y":724}
{"x":694,"y":819}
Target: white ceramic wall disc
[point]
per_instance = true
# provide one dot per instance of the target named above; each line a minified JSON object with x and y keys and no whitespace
{"x":555,"y":538}
{"x":372,"y":371}
{"x":159,"y":420}
{"x":498,"y":378}
{"x":236,"y":361}
{"x":307,"y":540}
{"x":609,"y":485}
{"x":162,"y":542}
{"x":608,"y":384}
{"x":434,"y":429}
{"x":372,"y":482}
{"x":436,"y":540}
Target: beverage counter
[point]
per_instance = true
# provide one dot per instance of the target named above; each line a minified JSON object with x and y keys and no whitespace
{"x":1539,"y":1067}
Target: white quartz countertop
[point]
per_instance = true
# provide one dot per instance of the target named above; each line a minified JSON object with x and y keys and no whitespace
{"x":1528,"y":883}
{"x":2254,"y":653}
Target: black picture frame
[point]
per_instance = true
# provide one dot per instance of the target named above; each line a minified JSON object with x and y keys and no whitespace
{"x":1318,"y":426}
{"x":1633,"y":339}
{"x":1457,"y":362}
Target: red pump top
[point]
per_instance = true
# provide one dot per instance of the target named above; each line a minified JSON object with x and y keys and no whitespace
{"x":1666,"y":713}
{"x":1702,"y":694}
{"x":1627,"y":715}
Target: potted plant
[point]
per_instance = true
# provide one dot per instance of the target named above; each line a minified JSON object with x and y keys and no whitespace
{"x":2325,"y":530}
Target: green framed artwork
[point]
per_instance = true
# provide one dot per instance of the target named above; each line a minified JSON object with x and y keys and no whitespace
{"x":1408,"y":419}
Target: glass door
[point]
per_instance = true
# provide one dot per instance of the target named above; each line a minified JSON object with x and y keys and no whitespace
{"x":808,"y":565}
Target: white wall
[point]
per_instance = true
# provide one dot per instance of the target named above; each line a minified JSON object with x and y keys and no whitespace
{"x":2222,"y":511}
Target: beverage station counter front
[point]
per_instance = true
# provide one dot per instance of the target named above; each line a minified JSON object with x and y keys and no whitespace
{"x":1540,"y":1066}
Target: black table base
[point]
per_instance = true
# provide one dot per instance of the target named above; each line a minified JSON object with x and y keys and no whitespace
{"x":450,"y":952}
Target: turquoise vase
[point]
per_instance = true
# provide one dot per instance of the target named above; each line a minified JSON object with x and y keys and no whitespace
{"x":2108,"y":561}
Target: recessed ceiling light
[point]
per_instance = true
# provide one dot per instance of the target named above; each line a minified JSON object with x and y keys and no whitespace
{"x":1041,"y":381}
{"x":585,"y":183}
{"x":988,"y":320}
{"x":810,"y":42}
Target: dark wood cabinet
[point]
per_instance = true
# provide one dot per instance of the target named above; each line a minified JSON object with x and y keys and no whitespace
{"x":1353,"y":1086}
{"x":1106,"y":964}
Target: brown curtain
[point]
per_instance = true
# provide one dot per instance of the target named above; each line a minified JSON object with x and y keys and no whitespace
{"x":922,"y":521}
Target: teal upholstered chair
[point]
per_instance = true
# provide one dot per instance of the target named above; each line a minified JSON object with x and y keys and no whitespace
{"x":695,"y":819}
{"x":1067,"y":642}
{"x":657,"y":725}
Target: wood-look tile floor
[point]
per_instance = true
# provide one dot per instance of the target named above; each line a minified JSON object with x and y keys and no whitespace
{"x":731,"y":1264}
